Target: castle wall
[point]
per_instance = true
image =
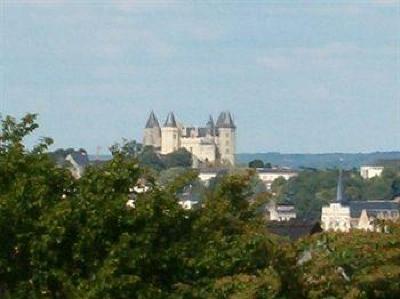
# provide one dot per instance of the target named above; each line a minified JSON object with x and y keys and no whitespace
{"x":202,"y":142}
{"x":202,"y":151}
{"x":170,"y":140}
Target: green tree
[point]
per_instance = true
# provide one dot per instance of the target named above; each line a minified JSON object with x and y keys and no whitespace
{"x":30,"y":187}
{"x":149,"y":158}
{"x":179,"y":158}
{"x":256,"y":164}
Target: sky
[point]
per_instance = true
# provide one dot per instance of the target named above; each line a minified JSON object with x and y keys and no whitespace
{"x":298,"y":76}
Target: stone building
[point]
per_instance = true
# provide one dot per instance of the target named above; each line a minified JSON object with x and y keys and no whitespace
{"x":280,"y":212}
{"x":369,"y":171}
{"x":343,"y":215}
{"x":268,"y":176}
{"x":214,"y":142}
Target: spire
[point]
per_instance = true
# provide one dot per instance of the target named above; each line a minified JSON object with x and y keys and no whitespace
{"x":225,"y":120}
{"x":170,"y":121}
{"x":211,"y":126}
{"x":152,"y":121}
{"x":210,"y":123}
{"x":339,"y":190}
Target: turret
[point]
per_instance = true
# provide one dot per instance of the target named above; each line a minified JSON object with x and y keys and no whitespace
{"x":211,"y":127}
{"x":170,"y":135}
{"x":226,"y":137}
{"x":152,"y":132}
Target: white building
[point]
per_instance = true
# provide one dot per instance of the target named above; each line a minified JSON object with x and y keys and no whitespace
{"x":342,"y":215}
{"x":281,"y":212}
{"x":78,"y":161}
{"x":214,"y":142}
{"x":368,"y":172}
{"x":268,"y":176}
{"x":207,"y":175}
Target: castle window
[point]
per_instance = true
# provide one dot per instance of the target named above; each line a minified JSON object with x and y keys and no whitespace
{"x":174,"y":136}
{"x":227,"y":135}
{"x":227,"y":151}
{"x":227,"y":142}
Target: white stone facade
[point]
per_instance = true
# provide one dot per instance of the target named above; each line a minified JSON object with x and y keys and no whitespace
{"x":170,"y":140}
{"x":281,"y":212}
{"x":268,"y":176}
{"x":212,"y":143}
{"x":336,"y":217}
{"x":203,"y":149}
{"x":368,"y":172}
{"x":342,"y":215}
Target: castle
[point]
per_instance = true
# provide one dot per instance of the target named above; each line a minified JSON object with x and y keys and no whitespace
{"x":210,"y":144}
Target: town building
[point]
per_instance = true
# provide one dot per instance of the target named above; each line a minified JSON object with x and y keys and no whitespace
{"x":294,"y":229}
{"x":187,"y":199}
{"x":266,"y":175}
{"x":206,"y":175}
{"x":78,"y":161}
{"x":269,"y":175}
{"x":343,"y":215}
{"x":209,"y":144}
{"x":280,"y":212}
{"x":368,"y":171}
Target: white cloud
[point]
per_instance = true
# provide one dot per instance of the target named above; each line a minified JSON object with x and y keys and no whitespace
{"x":331,"y":55}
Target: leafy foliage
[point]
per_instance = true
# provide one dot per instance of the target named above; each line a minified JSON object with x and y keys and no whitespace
{"x":256,"y":164}
{"x":67,"y":238}
{"x":312,"y":189}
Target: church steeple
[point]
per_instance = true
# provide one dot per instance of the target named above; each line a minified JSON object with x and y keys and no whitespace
{"x":339,"y":189}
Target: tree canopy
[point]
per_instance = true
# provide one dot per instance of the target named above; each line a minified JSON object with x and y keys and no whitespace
{"x":68,"y":238}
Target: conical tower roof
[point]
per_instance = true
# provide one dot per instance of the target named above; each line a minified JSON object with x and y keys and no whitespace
{"x":211,"y":126}
{"x":225,"y":120}
{"x":170,"y":122}
{"x":210,"y":123}
{"x":152,"y":121}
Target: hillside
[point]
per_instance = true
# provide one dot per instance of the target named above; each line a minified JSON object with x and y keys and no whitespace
{"x":320,"y":161}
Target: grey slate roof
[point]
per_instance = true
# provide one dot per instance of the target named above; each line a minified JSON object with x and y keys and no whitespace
{"x":170,"y":122}
{"x":203,"y":132}
{"x":152,"y":122}
{"x":211,"y":126}
{"x":294,"y":228}
{"x":372,"y":207}
{"x":225,"y":120}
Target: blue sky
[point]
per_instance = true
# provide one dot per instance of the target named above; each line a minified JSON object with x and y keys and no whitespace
{"x":298,"y":76}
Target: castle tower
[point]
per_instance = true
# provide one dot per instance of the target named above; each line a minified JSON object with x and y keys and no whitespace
{"x":152,"y":132}
{"x":211,"y":127}
{"x":226,"y":137}
{"x":170,"y":135}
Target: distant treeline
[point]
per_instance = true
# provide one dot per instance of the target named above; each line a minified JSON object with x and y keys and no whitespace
{"x":321,"y":161}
